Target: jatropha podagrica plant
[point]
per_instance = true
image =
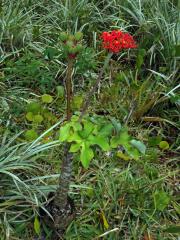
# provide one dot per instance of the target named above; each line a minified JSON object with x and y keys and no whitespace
{"x":82,"y":133}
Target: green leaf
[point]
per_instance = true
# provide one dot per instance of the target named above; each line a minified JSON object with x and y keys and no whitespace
{"x":46,"y":98}
{"x":116,"y":124}
{"x":177,"y":50}
{"x":30,"y":116}
{"x":123,"y":156}
{"x":153,"y":141}
{"x":139,"y":145}
{"x":176,"y":207}
{"x":31,"y":135}
{"x":37,"y":226}
{"x":64,"y":132}
{"x":173,"y":229}
{"x":50,"y":53}
{"x":38,"y":118}
{"x":63,"y":36}
{"x":75,"y":147}
{"x":60,"y":91}
{"x":122,"y":139}
{"x":101,"y":141}
{"x":78,"y":36}
{"x":76,"y":126}
{"x":106,"y":130}
{"x":74,"y":137}
{"x":161,"y":200}
{"x":104,"y":220}
{"x":86,"y":155}
{"x":34,"y":107}
{"x":114,"y":141}
{"x":140,"y":58}
{"x":164,"y":145}
{"x":132,"y":152}
{"x":87,"y":129}
{"x":77,"y":102}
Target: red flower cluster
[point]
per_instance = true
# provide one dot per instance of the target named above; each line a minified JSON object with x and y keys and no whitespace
{"x":116,"y":40}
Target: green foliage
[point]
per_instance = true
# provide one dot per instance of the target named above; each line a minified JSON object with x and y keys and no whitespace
{"x":164,"y":145}
{"x":98,"y":131}
{"x":46,"y":98}
{"x":39,"y":117}
{"x":76,"y":102}
{"x":22,"y":184}
{"x":161,"y":200}
{"x":31,"y":135}
{"x":37,"y":226}
{"x":60,"y":91}
{"x":30,"y":71}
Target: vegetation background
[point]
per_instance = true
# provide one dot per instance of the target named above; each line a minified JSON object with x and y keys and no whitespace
{"x":116,"y":198}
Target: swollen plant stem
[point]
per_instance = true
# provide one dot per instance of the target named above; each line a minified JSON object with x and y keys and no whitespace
{"x":64,"y":180}
{"x":95,"y":86}
{"x":69,"y":88}
{"x":66,"y":168}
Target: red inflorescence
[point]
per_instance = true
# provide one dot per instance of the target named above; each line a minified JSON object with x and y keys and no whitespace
{"x":116,"y":40}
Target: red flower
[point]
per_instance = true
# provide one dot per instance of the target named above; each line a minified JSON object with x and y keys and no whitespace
{"x":116,"y":40}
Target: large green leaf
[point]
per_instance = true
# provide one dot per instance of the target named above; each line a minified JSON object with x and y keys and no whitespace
{"x":86,"y":155}
{"x":64,"y":132}
{"x":75,"y":147}
{"x":122,"y":139}
{"x":101,"y":141}
{"x":74,"y":137}
{"x":87,"y":129}
{"x":116,"y":124}
{"x":106,"y":130}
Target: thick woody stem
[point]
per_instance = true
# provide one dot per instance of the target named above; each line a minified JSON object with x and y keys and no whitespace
{"x":66,"y":167}
{"x":69,"y":88}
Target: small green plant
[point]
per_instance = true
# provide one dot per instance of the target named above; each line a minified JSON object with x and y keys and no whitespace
{"x":39,"y":117}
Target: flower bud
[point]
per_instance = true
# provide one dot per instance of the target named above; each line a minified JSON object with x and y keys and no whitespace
{"x":79,"y":47}
{"x":78,"y":36}
{"x":72,"y":50}
{"x":63,"y":36}
{"x":69,"y":44}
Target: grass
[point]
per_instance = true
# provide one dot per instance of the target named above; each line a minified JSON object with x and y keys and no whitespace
{"x":115,"y":198}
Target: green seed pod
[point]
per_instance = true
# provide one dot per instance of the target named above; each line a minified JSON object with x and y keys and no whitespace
{"x":78,"y":36}
{"x":63,"y":36}
{"x":79,"y":47}
{"x":69,"y":44}
{"x":72,"y":50}
{"x":71,"y":38}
